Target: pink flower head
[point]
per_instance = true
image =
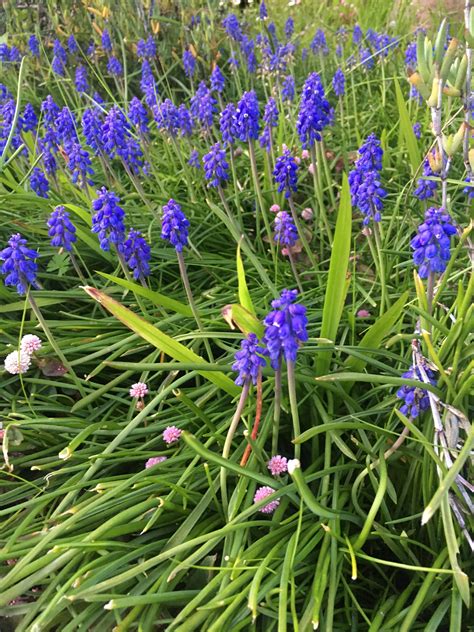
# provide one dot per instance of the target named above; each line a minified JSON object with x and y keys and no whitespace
{"x":17,"y":362}
{"x":363,"y":313}
{"x":274,"y":208}
{"x":305,"y":154}
{"x":307,"y":214}
{"x":171,"y":434}
{"x":297,"y":159}
{"x":30,"y":343}
{"x":138,"y":390}
{"x":154,"y":460}
{"x":283,"y":148}
{"x":278,"y":465}
{"x":263,"y":492}
{"x":311,"y":169}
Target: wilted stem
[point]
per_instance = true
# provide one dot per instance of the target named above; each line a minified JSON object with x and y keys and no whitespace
{"x":228,"y":440}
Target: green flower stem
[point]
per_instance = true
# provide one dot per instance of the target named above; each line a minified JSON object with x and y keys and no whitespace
{"x":228,"y":442}
{"x":295,"y":272}
{"x":192,"y":304}
{"x":384,"y":301}
{"x":261,"y":202}
{"x":323,"y":220}
{"x":276,"y":411}
{"x":290,"y":367}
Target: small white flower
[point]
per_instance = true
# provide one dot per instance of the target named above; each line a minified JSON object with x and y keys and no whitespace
{"x":30,"y":343}
{"x":17,"y":362}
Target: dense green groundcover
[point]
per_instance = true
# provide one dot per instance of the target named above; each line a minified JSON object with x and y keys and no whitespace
{"x":372,"y":530}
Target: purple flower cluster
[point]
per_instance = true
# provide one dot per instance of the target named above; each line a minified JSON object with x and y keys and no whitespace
{"x":203,"y":105}
{"x":270,"y":118}
{"x":432,"y":242}
{"x":319,"y":43}
{"x":248,"y":361}
{"x":61,"y":230}
{"x":216,"y":167}
{"x":217,"y":80}
{"x":137,"y":254}
{"x":189,"y":63}
{"x":315,"y":112}
{"x":19,"y":266}
{"x":425,"y":189}
{"x":39,"y":183}
{"x":366,"y":190}
{"x":227,"y":124}
{"x":285,"y":173}
{"x":288,"y":88}
{"x":286,"y":233}
{"x":416,"y":399}
{"x":247,"y":117}
{"x":338,"y":83}
{"x":285,"y":328}
{"x":108,"y":219}
{"x":174,"y":227}
{"x":82,"y":85}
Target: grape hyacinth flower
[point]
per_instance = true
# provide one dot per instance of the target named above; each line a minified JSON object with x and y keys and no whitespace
{"x":426,"y":189}
{"x":106,"y":41}
{"x":366,"y":58}
{"x":417,"y":130}
{"x":15,"y":55}
{"x":285,"y":328}
{"x":248,"y":360}
{"x":92,"y":128}
{"x":216,"y":167}
{"x":61,"y":230}
{"x":285,"y":173}
{"x":247,"y":117}
{"x":30,"y":344}
{"x":286,"y":233}
{"x":194,"y":160}
{"x":137,"y":254}
{"x":432,"y":242}
{"x":39,"y":183}
{"x":72,"y":45}
{"x":155,"y":460}
{"x":364,"y":180}
{"x":270,"y":118}
{"x":33,"y":45}
{"x":189,"y":64}
{"x":19,"y":265}
{"x":277,"y":465}
{"x":171,"y":434}
{"x":227,"y":124}
{"x":138,"y":115}
{"x":338,"y":83}
{"x":319,"y":44}
{"x":82,"y":85}
{"x":411,"y":55}
{"x":49,"y":110}
{"x":203,"y":105}
{"x":17,"y":362}
{"x":138,"y":390}
{"x":114,"y":132}
{"x":174,"y":225}
{"x":185,"y":120}
{"x":289,"y":27}
{"x":288,"y":88}
{"x":29,"y":120}
{"x":262,"y":11}
{"x":108,"y":219}
{"x":232,"y":27}
{"x":66,"y":126}
{"x":315,"y":112}
{"x":217,"y":80}
{"x":114,"y":66}
{"x":79,"y":164}
{"x":469,"y":189}
{"x":60,"y":58}
{"x":166,"y":116}
{"x":416,"y":399}
{"x":357,"y":34}
{"x":261,"y":494}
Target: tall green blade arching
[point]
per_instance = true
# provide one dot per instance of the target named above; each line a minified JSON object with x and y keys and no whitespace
{"x":337,"y":284}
